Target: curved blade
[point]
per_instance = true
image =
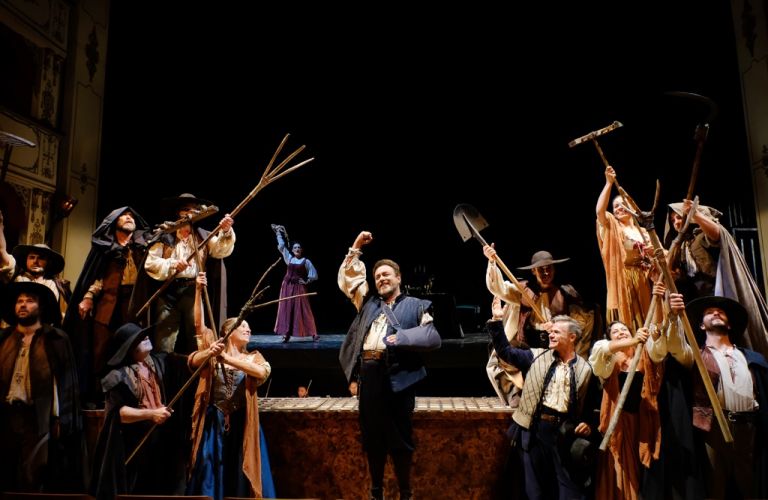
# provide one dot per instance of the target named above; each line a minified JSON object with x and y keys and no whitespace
{"x":468,"y":221}
{"x":711,"y":105}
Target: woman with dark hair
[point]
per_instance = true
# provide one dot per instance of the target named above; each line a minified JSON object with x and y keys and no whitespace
{"x":229,"y":455}
{"x":294,"y":316}
{"x":625,"y":249}
{"x":636,"y":439}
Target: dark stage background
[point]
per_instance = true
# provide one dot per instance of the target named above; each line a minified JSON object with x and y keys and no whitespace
{"x":409,"y":112}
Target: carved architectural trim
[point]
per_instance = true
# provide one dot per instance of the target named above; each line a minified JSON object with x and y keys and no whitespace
{"x":50,"y":18}
{"x":39,"y":163}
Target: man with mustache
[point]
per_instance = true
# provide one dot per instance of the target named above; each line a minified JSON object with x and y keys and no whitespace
{"x":740,"y":377}
{"x":40,"y":264}
{"x":381,"y":351}
{"x":103,"y":292}
{"x":168,"y":257}
{"x":39,"y":401}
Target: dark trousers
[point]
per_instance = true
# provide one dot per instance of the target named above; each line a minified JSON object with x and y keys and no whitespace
{"x":386,"y":426}
{"x":545,"y":476}
{"x":731,"y":462}
{"x":25,"y":452}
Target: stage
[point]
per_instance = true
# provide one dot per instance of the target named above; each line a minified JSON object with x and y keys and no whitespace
{"x":456,"y":369}
{"x":314,"y":442}
{"x":315,"y":451}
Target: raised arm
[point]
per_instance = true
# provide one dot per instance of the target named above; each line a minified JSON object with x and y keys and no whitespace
{"x":200,"y":282}
{"x":605,"y":195}
{"x":7,"y":262}
{"x":708,"y":225}
{"x":494,"y":280}
{"x":282,"y":245}
{"x":223,"y":243}
{"x":352,"y":277}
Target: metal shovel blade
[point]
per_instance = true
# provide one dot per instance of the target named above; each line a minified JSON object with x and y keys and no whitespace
{"x":468,"y":221}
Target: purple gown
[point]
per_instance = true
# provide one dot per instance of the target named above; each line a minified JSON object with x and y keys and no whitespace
{"x":294,"y":317}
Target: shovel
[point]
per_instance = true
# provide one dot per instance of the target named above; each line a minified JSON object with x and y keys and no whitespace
{"x":469,"y":223}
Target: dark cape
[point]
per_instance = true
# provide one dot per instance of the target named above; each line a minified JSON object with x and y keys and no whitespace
{"x":104,"y":250}
{"x":66,"y":446}
{"x":735,"y":281}
{"x":158,"y":468}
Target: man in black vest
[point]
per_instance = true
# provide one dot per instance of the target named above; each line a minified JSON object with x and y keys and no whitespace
{"x":380,"y":350}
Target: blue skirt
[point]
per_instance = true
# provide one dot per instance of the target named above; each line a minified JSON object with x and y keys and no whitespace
{"x":219,"y":466}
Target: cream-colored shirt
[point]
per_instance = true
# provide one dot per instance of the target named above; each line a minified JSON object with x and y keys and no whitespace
{"x":671,"y":342}
{"x":20,"y":388}
{"x":735,"y":390}
{"x":41,"y":280}
{"x":160,"y":268}
{"x":558,"y":391}
{"x":6,"y":272}
{"x":374,"y":339}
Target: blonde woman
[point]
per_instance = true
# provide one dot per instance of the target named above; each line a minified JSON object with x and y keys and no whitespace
{"x":229,"y":456}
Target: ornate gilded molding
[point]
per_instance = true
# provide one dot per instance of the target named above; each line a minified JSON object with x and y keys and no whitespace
{"x":40,"y":163}
{"x":92,"y":53}
{"x":50,"y":18}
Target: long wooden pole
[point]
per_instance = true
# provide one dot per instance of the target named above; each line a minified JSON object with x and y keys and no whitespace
{"x":669,"y":282}
{"x":270,"y":175}
{"x":525,"y":298}
{"x":630,"y":375}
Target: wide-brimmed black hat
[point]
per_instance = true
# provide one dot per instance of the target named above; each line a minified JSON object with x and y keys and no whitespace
{"x":55,"y":260}
{"x":737,"y":314}
{"x":126,"y":338}
{"x":49,"y":306}
{"x":543,"y":258}
{"x":174,"y":203}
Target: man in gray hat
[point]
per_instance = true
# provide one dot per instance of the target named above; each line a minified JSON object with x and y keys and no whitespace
{"x":167,"y":258}
{"x":40,"y":426}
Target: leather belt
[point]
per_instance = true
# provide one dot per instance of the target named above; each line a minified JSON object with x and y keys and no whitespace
{"x":373,"y":355}
{"x":741,"y":416}
{"x":551,"y":418}
{"x":548,"y":415}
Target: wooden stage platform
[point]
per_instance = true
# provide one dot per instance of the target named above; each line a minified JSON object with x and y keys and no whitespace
{"x":456,"y":369}
{"x":315,"y":451}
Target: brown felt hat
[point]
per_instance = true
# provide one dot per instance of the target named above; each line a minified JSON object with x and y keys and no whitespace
{"x":543,"y":258}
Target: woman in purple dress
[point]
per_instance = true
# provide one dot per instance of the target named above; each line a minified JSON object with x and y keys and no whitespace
{"x":294,"y":316}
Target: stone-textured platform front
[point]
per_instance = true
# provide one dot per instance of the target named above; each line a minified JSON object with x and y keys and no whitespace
{"x":315,"y":451}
